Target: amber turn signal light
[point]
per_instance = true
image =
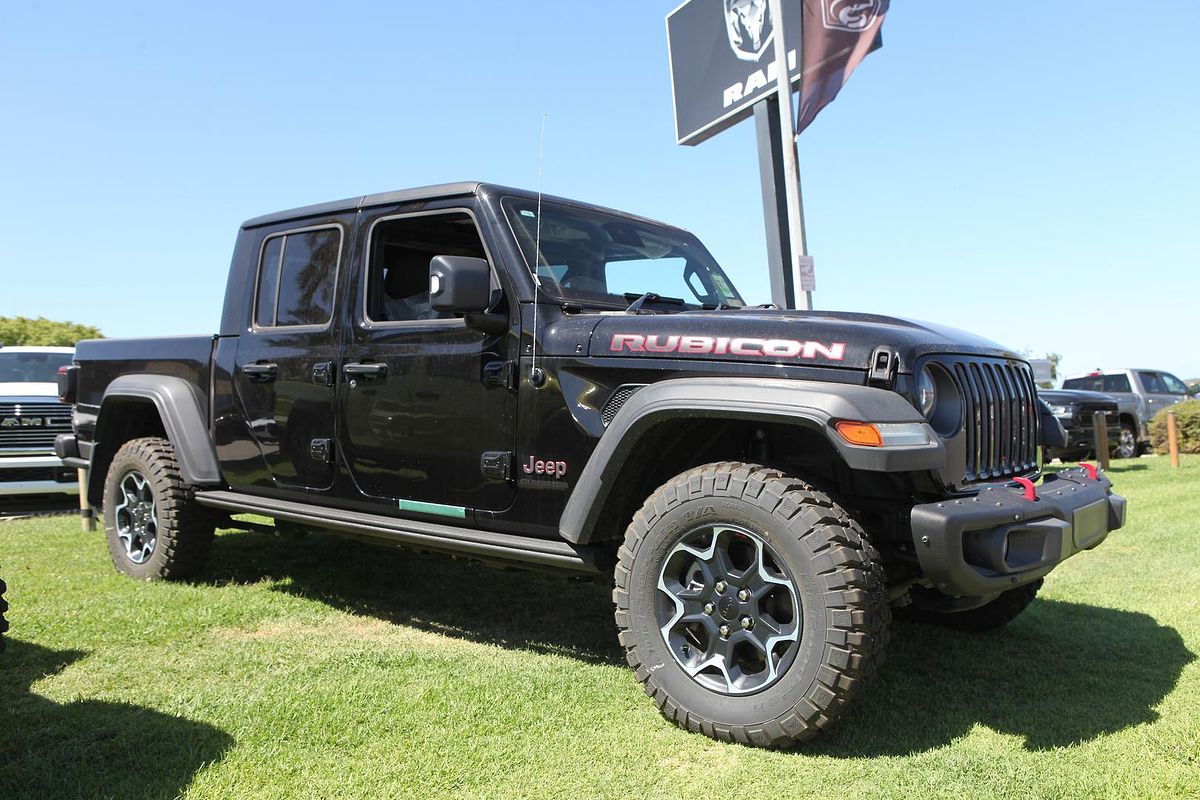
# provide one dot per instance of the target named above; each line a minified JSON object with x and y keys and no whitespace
{"x":863,"y":434}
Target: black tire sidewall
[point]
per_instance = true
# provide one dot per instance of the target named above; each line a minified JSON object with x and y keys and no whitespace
{"x":660,"y":538}
{"x":130,"y":459}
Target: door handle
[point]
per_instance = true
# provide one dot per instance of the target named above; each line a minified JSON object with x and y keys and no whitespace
{"x":365,"y":370}
{"x":260,"y":373}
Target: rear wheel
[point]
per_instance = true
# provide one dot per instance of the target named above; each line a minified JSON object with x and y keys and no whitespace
{"x":996,"y":614}
{"x":155,"y":530}
{"x":750,"y":605}
{"x":1127,"y":447}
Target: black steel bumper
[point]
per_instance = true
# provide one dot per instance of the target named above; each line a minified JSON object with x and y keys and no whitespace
{"x":999,"y":539}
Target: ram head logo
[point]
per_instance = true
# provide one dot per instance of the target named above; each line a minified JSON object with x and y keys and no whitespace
{"x":849,"y":15}
{"x":750,"y":28}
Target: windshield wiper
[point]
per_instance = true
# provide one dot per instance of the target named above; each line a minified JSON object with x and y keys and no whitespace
{"x":649,"y":297}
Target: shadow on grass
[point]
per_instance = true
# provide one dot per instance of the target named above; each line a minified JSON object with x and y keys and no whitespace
{"x":90,"y":748}
{"x":1060,"y":674}
{"x":436,"y":593}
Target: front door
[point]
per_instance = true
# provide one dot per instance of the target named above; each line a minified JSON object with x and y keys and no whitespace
{"x":416,"y":412}
{"x":284,"y":374}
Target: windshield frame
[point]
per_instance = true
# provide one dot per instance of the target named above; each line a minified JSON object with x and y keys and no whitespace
{"x":695,"y":253}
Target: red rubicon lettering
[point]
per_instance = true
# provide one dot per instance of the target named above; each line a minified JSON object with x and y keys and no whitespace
{"x":721,"y":345}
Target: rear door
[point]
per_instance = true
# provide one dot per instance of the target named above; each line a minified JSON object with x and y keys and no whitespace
{"x":284,"y":375}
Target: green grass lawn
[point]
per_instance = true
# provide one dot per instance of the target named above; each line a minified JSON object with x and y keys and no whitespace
{"x":321,"y":667}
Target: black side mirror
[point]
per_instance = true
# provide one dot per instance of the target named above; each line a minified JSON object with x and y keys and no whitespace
{"x":459,"y":284}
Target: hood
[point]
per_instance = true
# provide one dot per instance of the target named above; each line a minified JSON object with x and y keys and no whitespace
{"x":776,"y":336}
{"x":46,"y":390}
{"x":1063,"y":396}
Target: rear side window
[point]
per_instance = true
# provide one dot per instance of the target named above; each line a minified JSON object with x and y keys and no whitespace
{"x":1116,"y":383}
{"x":1152,"y":383}
{"x":296,"y":275}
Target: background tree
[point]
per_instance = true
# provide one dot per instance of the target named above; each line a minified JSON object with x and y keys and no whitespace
{"x":46,"y":332}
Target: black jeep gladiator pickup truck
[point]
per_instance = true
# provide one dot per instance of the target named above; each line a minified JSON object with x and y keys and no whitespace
{"x":481,"y":371}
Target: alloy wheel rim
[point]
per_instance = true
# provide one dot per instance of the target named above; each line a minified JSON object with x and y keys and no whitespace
{"x":1127,"y":444}
{"x":727,"y":609}
{"x":136,"y":517}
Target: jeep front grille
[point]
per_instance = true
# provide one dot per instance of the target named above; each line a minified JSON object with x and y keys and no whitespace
{"x":31,"y":427}
{"x":1000,"y":419}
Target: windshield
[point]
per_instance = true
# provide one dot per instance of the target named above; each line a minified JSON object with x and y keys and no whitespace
{"x":592,"y":258}
{"x":32,"y":367}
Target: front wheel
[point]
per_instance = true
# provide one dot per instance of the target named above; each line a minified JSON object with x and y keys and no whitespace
{"x":750,"y":605}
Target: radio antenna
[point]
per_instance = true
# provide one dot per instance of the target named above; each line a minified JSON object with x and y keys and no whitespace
{"x":537,"y":376}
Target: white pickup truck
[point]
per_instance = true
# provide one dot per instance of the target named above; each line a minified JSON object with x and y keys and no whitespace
{"x":31,"y":416}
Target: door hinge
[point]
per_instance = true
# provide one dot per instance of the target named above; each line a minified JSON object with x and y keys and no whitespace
{"x":497,"y":465}
{"x":322,"y":373}
{"x":500,"y":373}
{"x":884,"y":363}
{"x":321,"y":450}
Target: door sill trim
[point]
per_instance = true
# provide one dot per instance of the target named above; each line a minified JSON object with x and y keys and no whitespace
{"x":484,"y":545}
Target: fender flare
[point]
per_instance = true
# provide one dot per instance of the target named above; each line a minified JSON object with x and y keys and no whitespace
{"x":813,"y":404}
{"x":181,"y":411}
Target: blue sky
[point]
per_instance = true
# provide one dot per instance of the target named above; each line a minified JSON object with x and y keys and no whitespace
{"x":1025,"y":170}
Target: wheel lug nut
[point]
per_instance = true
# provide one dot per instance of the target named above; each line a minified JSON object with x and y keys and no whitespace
{"x":747,"y":623}
{"x":725,"y":631}
{"x":744,"y":595}
{"x":709,"y":608}
{"x":721,"y":587}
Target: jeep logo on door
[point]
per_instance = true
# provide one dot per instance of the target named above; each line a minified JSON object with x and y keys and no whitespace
{"x":749,"y":26}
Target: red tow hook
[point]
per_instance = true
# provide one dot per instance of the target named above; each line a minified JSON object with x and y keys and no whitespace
{"x":1030,"y":489}
{"x":1090,"y":469}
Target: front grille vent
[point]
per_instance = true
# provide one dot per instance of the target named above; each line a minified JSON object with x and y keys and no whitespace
{"x":32,"y":426}
{"x":1000,"y":417}
{"x":617,"y":399}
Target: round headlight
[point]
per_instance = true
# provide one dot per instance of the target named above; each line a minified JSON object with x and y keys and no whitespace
{"x":926,"y":392}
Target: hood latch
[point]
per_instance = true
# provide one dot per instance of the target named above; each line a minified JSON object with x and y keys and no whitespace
{"x":884,"y":363}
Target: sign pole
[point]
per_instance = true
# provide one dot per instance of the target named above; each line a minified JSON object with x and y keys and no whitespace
{"x":801,"y":286}
{"x":770,"y":160}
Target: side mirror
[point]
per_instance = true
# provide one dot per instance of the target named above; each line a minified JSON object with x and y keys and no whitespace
{"x":1194,"y":390}
{"x":459,"y":284}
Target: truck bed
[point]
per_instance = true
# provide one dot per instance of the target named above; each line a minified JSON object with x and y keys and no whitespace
{"x":102,"y":360}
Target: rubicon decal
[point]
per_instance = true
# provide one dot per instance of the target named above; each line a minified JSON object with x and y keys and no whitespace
{"x":727,"y":346}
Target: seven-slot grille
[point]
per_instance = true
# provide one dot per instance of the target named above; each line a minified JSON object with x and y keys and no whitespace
{"x":1000,"y":419}
{"x":32,"y":426}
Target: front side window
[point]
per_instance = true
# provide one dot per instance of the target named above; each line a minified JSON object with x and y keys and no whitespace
{"x":296,"y":277}
{"x":1173,"y":384}
{"x":400,"y":252}
{"x":595,"y":258}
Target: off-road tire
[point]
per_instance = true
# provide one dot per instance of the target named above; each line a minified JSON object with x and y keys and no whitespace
{"x":838,"y":577}
{"x":1127,"y":447}
{"x":184,"y":529}
{"x":3,"y":611}
{"x":996,"y":614}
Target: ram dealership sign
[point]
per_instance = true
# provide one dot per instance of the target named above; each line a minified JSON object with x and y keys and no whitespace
{"x":723,"y":58}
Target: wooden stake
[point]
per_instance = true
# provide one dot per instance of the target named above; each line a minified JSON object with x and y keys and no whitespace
{"x":1100,"y":419}
{"x":86,"y":521}
{"x":1172,"y":439}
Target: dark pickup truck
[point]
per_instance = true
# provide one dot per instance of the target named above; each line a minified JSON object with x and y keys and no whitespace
{"x":533,"y":381}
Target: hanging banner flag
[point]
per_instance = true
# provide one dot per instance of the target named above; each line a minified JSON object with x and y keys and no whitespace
{"x":723,"y":59}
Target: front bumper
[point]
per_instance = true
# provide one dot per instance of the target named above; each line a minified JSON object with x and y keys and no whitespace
{"x":36,"y":474}
{"x":999,"y":540}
